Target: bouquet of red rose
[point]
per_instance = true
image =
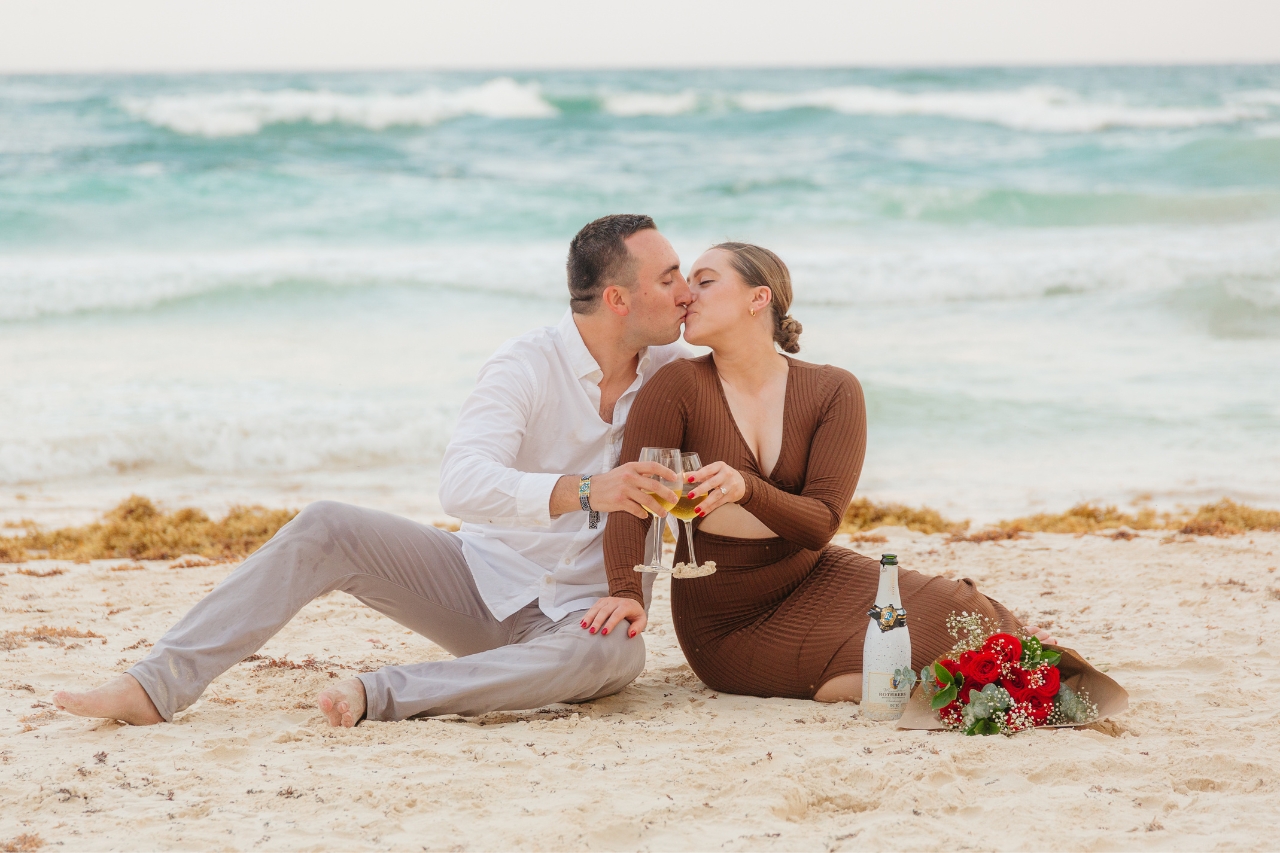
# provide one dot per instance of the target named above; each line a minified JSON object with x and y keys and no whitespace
{"x":996,"y":683}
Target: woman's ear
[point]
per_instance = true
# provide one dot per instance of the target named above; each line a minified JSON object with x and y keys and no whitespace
{"x":761,"y":297}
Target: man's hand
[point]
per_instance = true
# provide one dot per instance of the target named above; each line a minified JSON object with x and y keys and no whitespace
{"x":606,"y":613}
{"x":627,"y":487}
{"x":624,"y":489}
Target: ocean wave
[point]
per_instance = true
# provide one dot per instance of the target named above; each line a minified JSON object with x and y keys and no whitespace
{"x":651,"y":103}
{"x":1047,"y":109}
{"x":1044,"y":109}
{"x":246,"y":112}
{"x":34,"y":286}
{"x":281,"y":433}
{"x":916,"y":265}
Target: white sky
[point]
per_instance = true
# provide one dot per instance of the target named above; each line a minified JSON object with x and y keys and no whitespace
{"x":189,"y":35}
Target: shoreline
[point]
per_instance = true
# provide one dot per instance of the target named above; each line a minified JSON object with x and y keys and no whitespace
{"x":665,"y":764}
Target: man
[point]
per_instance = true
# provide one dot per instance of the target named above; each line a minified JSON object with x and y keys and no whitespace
{"x":529,"y":471}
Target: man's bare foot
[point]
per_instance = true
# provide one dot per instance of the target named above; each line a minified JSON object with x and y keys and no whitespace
{"x":343,"y":703}
{"x":122,"y":698}
{"x":1042,"y":635}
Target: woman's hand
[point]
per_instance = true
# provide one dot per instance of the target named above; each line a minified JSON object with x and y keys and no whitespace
{"x":606,"y":613}
{"x":720,"y":483}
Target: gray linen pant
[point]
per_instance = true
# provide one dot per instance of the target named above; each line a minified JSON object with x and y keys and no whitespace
{"x":414,"y":574}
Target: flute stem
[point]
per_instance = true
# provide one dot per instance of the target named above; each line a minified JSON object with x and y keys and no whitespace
{"x":688,"y":534}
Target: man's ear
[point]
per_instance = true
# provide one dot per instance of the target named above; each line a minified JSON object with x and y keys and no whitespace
{"x":617,"y":299}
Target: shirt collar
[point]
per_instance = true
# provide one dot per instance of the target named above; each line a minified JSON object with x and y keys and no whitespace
{"x":581,"y":360}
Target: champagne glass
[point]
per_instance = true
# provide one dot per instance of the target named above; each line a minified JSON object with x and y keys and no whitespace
{"x":684,"y":508}
{"x":668,"y":457}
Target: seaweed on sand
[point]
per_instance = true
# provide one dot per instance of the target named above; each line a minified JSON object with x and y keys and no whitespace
{"x":864,"y":514}
{"x":1224,"y":518}
{"x":1228,"y":518}
{"x":137,"y":530}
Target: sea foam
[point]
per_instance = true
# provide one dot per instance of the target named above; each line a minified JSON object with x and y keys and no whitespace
{"x":1049,"y":109}
{"x":915,"y":267}
{"x":651,"y":103}
{"x":248,"y":111}
{"x":1045,"y":109}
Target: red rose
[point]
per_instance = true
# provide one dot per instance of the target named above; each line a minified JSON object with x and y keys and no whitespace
{"x":951,"y":714}
{"x":1039,"y":708}
{"x":1017,"y":681}
{"x":969,"y":684}
{"x":950,"y":666}
{"x":965,"y":659}
{"x":1006,"y":647}
{"x":983,"y":668}
{"x":1050,"y":679}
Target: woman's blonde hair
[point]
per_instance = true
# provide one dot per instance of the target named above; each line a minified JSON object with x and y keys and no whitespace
{"x":761,"y":268}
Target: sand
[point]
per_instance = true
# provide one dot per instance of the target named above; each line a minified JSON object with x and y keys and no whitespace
{"x":1186,"y":625}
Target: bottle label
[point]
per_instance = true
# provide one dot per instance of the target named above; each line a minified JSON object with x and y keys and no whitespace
{"x":888,"y":617}
{"x":885,"y":697}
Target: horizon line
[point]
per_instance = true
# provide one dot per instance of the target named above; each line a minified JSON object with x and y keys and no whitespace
{"x":530,"y":69}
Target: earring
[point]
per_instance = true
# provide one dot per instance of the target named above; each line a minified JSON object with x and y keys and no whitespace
{"x":753,"y":312}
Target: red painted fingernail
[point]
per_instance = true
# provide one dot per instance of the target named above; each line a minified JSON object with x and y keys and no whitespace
{"x":632,"y":634}
{"x":593,"y":630}
{"x":605,"y":631}
{"x":690,"y":479}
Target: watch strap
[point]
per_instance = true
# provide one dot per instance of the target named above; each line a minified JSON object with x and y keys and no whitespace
{"x":584,"y":499}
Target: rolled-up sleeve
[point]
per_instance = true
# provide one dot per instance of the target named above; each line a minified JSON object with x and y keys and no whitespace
{"x":478,"y":480}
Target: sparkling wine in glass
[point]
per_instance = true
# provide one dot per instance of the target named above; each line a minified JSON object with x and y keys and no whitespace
{"x":668,"y":457}
{"x":686,"y":506}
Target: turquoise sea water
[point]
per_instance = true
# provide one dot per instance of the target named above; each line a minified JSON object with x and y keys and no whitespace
{"x":1055,"y":284}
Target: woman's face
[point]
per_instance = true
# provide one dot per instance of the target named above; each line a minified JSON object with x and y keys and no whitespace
{"x":721,"y":300}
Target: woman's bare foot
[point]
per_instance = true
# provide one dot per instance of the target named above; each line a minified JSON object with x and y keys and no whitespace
{"x":343,"y":703}
{"x":1042,"y":635}
{"x":122,"y":698}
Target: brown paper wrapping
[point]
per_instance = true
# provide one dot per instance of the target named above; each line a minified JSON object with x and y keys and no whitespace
{"x":1076,"y":672}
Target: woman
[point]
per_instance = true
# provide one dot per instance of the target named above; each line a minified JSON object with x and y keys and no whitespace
{"x":785,"y":614}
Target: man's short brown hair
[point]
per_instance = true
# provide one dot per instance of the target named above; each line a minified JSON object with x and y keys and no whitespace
{"x":598,"y":256}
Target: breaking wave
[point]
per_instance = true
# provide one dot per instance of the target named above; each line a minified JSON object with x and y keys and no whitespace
{"x":1046,"y":109}
{"x":249,"y":111}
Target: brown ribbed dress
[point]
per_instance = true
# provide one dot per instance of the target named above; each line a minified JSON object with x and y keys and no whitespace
{"x":781,"y":616}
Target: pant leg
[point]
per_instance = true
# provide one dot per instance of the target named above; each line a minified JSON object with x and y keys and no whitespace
{"x":413,"y":573}
{"x":550,"y":662}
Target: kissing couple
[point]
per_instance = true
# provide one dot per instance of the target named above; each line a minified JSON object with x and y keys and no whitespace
{"x":536,"y":595}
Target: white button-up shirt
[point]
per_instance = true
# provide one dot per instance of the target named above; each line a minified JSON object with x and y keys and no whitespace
{"x":534,"y":417}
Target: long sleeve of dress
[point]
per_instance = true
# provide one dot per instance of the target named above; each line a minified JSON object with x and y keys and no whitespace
{"x":836,"y":453}
{"x":657,"y":419}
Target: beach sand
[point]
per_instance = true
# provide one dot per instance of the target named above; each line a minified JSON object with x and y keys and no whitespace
{"x":1186,"y":625}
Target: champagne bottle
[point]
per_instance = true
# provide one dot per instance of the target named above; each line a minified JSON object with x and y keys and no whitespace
{"x":886,"y":652}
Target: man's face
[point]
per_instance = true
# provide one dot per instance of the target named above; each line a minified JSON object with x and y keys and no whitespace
{"x":659,"y":296}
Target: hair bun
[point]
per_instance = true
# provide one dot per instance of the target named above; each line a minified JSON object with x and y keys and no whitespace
{"x":787,"y":335}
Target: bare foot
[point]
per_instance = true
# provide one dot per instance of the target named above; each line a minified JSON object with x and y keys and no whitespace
{"x":1042,"y":635}
{"x":343,"y":703}
{"x":122,"y":698}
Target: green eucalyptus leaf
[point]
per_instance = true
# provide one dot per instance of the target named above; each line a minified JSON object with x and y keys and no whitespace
{"x":940,"y":672}
{"x":1051,"y":657}
{"x":944,"y":698}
